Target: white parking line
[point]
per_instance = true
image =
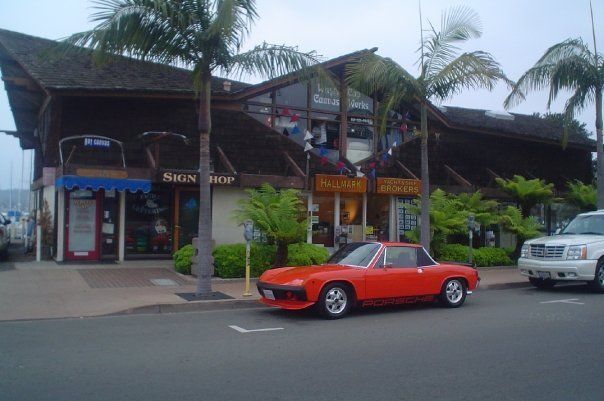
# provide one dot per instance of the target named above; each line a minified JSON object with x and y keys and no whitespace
{"x":242,"y":330}
{"x":564,"y":301}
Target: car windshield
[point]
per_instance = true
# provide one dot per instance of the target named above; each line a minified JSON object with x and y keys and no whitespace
{"x":589,"y":224}
{"x":355,"y":254}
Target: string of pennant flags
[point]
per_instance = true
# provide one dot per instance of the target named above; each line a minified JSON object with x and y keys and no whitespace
{"x":323,"y":152}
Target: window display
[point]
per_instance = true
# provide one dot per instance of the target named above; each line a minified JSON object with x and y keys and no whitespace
{"x":148,"y":222}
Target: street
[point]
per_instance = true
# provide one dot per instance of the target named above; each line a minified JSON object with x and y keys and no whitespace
{"x":512,"y":344}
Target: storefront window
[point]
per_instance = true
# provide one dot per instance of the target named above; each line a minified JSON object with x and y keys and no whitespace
{"x":149,"y":222}
{"x":188,"y":216}
{"x":406,"y":221}
{"x":378,"y":218}
{"x":351,"y":218}
{"x":322,"y":219}
{"x":260,"y":113}
{"x":292,"y":96}
{"x":82,"y":228}
{"x":264,"y":98}
{"x":359,"y":104}
{"x":360,"y":139}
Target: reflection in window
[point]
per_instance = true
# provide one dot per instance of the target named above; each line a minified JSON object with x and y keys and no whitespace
{"x":293,"y":95}
{"x":325,"y":130}
{"x":360,"y":139}
{"x":148,"y":222}
{"x":356,"y":254}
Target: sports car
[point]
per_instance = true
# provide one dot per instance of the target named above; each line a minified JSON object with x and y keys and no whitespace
{"x":368,"y":274}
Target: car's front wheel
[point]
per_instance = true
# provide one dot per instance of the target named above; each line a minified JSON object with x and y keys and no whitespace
{"x":453,"y":293}
{"x":598,"y":284}
{"x":335,"y":300}
{"x":541,"y":283}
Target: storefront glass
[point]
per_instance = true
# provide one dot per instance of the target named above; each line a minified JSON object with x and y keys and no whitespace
{"x":405,"y":220}
{"x":82,"y":224}
{"x":360,"y":139}
{"x":188,"y":216}
{"x":322,"y":219}
{"x":378,"y":218}
{"x":292,"y":96}
{"x":149,"y":222}
{"x":351,"y":218}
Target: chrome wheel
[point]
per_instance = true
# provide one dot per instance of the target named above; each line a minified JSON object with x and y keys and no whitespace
{"x":454,"y":291}
{"x":600,"y":277}
{"x":336,"y":300}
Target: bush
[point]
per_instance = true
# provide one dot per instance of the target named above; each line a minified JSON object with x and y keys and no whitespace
{"x":303,"y":254}
{"x":229,"y":260}
{"x":182,"y":259}
{"x":485,"y":256}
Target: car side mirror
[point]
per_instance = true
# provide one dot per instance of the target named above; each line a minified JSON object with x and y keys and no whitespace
{"x":388,"y":266}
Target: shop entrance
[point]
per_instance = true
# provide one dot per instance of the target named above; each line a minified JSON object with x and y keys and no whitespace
{"x":186,"y":216}
{"x":82,"y":219}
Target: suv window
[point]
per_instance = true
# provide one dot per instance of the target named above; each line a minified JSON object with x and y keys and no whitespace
{"x":589,"y":224}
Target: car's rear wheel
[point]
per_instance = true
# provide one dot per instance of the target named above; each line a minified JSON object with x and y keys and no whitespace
{"x":453,"y":293}
{"x":335,"y":300}
{"x":541,"y":283}
{"x":598,"y":284}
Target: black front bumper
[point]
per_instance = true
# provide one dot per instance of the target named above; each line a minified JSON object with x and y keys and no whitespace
{"x":281,"y":291}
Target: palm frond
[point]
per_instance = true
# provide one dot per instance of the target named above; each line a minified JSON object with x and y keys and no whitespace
{"x":470,"y":70}
{"x":232,"y":21}
{"x":271,"y":61}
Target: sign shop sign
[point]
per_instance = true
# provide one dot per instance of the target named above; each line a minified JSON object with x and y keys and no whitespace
{"x":340,"y":183}
{"x":398,"y":186}
{"x":184,"y":177}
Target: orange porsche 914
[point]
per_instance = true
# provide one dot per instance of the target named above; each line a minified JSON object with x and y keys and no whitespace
{"x":368,"y":274}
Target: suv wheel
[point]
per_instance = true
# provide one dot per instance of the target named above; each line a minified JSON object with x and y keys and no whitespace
{"x":598,"y":283}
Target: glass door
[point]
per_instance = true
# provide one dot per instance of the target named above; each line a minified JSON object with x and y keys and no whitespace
{"x":82,"y":225}
{"x":186,"y":216}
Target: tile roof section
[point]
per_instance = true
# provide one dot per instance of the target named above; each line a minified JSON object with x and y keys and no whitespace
{"x":78,"y":71}
{"x":523,"y":125}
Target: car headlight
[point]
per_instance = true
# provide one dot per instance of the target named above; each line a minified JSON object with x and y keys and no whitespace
{"x":524,"y":251}
{"x":576,"y":252}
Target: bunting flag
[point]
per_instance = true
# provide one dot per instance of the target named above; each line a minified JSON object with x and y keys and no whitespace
{"x":323,"y":161}
{"x":307,"y":147}
{"x":384,"y":157}
{"x":294,"y":118}
{"x":408,"y":116}
{"x":372,"y":173}
{"x":285,"y":111}
{"x":308,"y":136}
{"x":340,"y":166}
{"x":323,"y":151}
{"x":403,"y":128}
{"x":372,"y":165}
{"x":295,"y":130}
{"x":390,"y":151}
{"x":285,"y":132}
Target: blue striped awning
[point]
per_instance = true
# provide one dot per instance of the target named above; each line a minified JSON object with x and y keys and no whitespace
{"x":96,"y":183}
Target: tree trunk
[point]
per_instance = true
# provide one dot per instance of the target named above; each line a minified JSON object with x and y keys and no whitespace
{"x":281,"y":256}
{"x":204,"y":125}
{"x":599,"y":150}
{"x":425,"y":177}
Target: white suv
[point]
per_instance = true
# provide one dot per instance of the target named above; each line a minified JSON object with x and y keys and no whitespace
{"x":575,"y":254}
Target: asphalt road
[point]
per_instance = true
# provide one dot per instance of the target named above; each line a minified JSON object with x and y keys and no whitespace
{"x":501,"y":345}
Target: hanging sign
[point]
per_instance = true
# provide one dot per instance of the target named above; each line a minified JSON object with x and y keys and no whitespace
{"x":398,"y":186}
{"x":340,"y":183}
{"x":93,"y":142}
{"x":191,"y":177}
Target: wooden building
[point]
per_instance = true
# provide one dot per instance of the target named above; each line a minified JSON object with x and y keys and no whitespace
{"x":116,"y":151}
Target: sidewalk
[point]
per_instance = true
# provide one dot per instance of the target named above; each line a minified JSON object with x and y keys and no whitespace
{"x":30,"y":290}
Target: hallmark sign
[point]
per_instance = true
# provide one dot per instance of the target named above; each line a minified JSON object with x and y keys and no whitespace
{"x":192,"y":178}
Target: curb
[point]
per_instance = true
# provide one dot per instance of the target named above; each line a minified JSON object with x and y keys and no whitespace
{"x":194,"y":306}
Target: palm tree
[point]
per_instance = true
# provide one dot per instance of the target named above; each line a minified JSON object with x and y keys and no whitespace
{"x":204,"y":35}
{"x":443,"y":73}
{"x":278,"y":214}
{"x":571,"y":66}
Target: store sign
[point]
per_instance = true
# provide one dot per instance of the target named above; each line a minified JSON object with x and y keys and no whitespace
{"x":91,"y":172}
{"x":97,"y":143}
{"x":398,"y":186}
{"x":182,"y":177}
{"x":340,"y":183}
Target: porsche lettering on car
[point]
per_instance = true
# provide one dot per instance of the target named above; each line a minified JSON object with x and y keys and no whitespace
{"x":368,"y":274}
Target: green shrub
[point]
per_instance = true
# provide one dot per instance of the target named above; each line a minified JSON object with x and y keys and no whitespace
{"x":485,"y":256}
{"x":453,"y":252}
{"x":229,"y":260}
{"x":304,"y":254}
{"x":182,"y":259}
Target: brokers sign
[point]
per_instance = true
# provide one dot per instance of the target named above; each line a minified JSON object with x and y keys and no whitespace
{"x":398,"y":186}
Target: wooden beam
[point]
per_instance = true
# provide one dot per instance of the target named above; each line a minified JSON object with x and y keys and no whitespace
{"x":297,"y":170}
{"x":225,"y":161}
{"x":277,"y":181}
{"x":492,"y":174}
{"x":405,"y":170}
{"x":20,"y":81}
{"x":458,"y":178}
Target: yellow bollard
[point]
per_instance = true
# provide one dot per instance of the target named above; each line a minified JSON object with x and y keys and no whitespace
{"x":247,"y":292}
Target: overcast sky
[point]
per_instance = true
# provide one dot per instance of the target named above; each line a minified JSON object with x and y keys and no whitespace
{"x":516,"y":32}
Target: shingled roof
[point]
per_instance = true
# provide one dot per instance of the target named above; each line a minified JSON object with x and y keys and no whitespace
{"x":521,"y":126}
{"x":78,"y":71}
